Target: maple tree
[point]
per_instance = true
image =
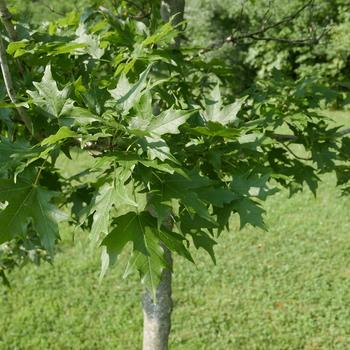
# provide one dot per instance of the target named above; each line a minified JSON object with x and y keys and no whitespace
{"x":168,"y":158}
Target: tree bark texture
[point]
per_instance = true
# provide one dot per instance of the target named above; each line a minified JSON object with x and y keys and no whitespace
{"x":157,"y":316}
{"x":5,"y":17}
{"x":170,"y":8}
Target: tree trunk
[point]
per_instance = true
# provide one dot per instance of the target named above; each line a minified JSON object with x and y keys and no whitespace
{"x":170,"y":8}
{"x":157,"y":316}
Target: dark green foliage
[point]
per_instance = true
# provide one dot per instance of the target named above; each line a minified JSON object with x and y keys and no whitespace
{"x":166,"y":156}
{"x":296,"y":53}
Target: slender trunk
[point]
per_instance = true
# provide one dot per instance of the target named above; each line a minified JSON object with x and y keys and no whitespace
{"x":157,"y":316}
{"x":6,"y":17}
{"x":175,"y":9}
{"x":170,"y":8}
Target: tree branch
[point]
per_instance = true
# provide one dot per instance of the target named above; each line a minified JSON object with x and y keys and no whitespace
{"x":286,"y":137}
{"x":259,"y":33}
{"x":293,"y":153}
{"x":284,"y":20}
{"x":9,"y":87}
{"x":6,"y":21}
{"x":6,"y":17}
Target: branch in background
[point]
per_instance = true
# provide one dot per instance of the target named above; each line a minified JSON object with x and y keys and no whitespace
{"x":259,"y":34}
{"x":170,"y":8}
{"x":264,"y":28}
{"x":303,"y":41}
{"x":51,"y":9}
{"x":343,"y":132}
{"x":285,"y":137}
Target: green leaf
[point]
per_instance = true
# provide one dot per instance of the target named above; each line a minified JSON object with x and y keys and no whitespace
{"x":70,"y":47}
{"x":252,"y":185}
{"x":164,"y":33}
{"x":250,"y":212}
{"x":28,"y":203}
{"x":150,"y":266}
{"x":217,"y":196}
{"x":127,"y":94}
{"x":128,"y":158}
{"x":216,"y":129}
{"x":91,"y":42}
{"x":49,"y":98}
{"x":17,"y":48}
{"x":78,"y":116}
{"x":156,"y":147}
{"x":111,"y":194}
{"x":175,"y":243}
{"x":148,"y":255}
{"x":12,"y":153}
{"x":62,"y":134}
{"x":202,"y":240}
{"x":188,"y":190}
{"x":216,"y":112}
{"x":167,"y":122}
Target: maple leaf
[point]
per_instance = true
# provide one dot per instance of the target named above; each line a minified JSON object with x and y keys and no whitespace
{"x":49,"y":98}
{"x":91,"y":43}
{"x":167,"y":122}
{"x":148,"y":257}
{"x":28,"y":203}
{"x":127,"y":94}
{"x":216,"y":112}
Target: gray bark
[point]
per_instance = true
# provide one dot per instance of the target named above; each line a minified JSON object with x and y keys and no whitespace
{"x":170,"y":8}
{"x":157,"y":316}
{"x":5,"y":17}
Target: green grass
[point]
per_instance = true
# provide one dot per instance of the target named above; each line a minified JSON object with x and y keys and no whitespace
{"x":288,"y":288}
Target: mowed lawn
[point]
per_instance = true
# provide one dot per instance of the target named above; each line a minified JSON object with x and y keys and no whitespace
{"x":288,"y":288}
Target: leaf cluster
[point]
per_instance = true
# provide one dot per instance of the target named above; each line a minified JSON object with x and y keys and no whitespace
{"x":138,"y":145}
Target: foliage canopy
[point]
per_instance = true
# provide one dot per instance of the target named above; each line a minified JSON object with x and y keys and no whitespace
{"x":162,"y":156}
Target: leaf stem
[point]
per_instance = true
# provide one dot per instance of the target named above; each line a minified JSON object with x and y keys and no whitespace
{"x":40,"y":171}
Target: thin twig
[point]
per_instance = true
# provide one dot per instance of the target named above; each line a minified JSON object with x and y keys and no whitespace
{"x":343,"y":132}
{"x":51,"y":9}
{"x":304,"y":41}
{"x":9,"y":87}
{"x":284,"y":20}
{"x":40,"y":170}
{"x":5,"y":17}
{"x":286,"y":137}
{"x":259,"y":34}
{"x":293,"y":153}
